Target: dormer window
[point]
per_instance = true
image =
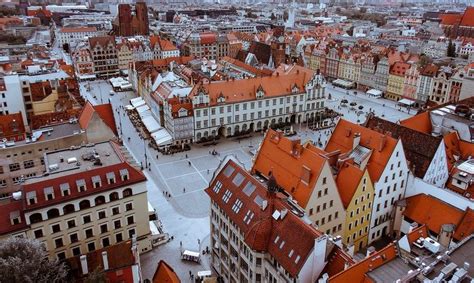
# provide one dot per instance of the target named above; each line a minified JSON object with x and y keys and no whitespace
{"x":31,"y":198}
{"x":294,"y":89}
{"x":81,"y":185}
{"x":65,"y":189}
{"x":15,"y":217}
{"x":221,"y":98}
{"x":260,"y":92}
{"x":49,"y":193}
{"x":96,"y":182}
{"x":124,"y":174}
{"x":111,"y":178}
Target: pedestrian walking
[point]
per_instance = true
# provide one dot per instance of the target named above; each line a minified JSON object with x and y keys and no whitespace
{"x":186,"y":156}
{"x":180,"y":243}
{"x":207,"y":171}
{"x":184,"y":190}
{"x":189,"y":163}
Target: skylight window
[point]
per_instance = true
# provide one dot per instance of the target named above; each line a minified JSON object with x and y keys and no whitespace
{"x":226,"y":196}
{"x":297,"y":259}
{"x":237,"y":205}
{"x":282,"y":244}
{"x":276,"y":239}
{"x":249,"y":188}
{"x":291,"y":253}
{"x":258,"y":200}
{"x":217,"y":187}
{"x":229,"y":170}
{"x":238,"y":179}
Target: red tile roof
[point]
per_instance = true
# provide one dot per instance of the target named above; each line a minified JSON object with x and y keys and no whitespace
{"x":382,"y":146}
{"x":468,"y":17}
{"x":428,"y":210}
{"x":450,"y":19}
{"x":420,"y":123}
{"x":165,"y":274}
{"x":347,"y":181}
{"x":287,"y":160}
{"x":78,"y":29}
{"x":104,"y":111}
{"x":6,"y":208}
{"x":12,"y":127}
{"x":259,"y":227}
{"x":135,"y":176}
{"x":208,"y":37}
{"x":245,"y":90}
{"x":399,"y":69}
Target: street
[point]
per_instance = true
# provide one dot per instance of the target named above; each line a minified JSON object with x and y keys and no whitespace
{"x":184,"y":176}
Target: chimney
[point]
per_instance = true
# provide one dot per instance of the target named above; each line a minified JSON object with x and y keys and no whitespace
{"x":383,"y":140}
{"x":105,"y":260}
{"x":356,"y":140}
{"x":84,"y":264}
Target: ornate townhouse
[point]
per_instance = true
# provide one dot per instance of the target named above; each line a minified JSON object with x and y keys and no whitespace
{"x":367,"y":72}
{"x":396,"y":79}
{"x":381,"y":74}
{"x":332,"y":63}
{"x":258,"y":235}
{"x":124,"y":55}
{"x":206,"y":44}
{"x":349,"y":67}
{"x":229,"y":107}
{"x":384,"y":158}
{"x":89,"y":198}
{"x":83,"y":63}
{"x":304,"y":173}
{"x":410,"y":82}
{"x":74,"y":35}
{"x":425,"y":82}
{"x":104,"y":56}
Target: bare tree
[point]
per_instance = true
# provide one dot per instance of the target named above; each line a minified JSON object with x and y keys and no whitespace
{"x":26,"y":260}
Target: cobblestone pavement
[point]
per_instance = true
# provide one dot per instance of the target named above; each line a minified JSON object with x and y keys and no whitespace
{"x":184,"y":176}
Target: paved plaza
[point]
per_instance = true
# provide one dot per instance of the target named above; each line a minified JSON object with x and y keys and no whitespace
{"x":184,"y":176}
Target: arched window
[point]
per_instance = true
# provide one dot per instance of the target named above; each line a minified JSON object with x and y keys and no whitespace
{"x":84,"y":204}
{"x":68,"y":209}
{"x":127,"y":192}
{"x":35,"y":218}
{"x":114,"y":196}
{"x":52,"y":213}
{"x":99,"y":200}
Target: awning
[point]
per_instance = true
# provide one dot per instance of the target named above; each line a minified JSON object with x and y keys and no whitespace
{"x":162,"y":137}
{"x":86,"y":77}
{"x":144,"y":114}
{"x":343,"y":83}
{"x":406,"y":102}
{"x":153,"y":229}
{"x":137,"y":101}
{"x":142,"y":108}
{"x":374,"y":92}
{"x":151,"y":124}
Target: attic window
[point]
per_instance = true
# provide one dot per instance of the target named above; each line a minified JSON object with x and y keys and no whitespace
{"x":96,"y":182}
{"x":248,"y":217}
{"x":111,"y":178}
{"x":237,"y":205}
{"x":81,"y":185}
{"x":228,"y":171}
{"x":124,"y":174}
{"x":217,"y":187}
{"x":15,"y":217}
{"x":31,"y":198}
{"x":226,"y":196}
{"x":64,"y":189}
{"x":49,"y":193}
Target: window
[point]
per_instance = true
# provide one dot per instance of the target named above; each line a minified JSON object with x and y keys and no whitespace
{"x":61,"y":256}
{"x":38,"y":233}
{"x":310,"y":211}
{"x":91,"y":246}
{"x":325,"y":191}
{"x":89,"y":233}
{"x":118,"y":237}
{"x":130,"y":220}
{"x":76,"y":251}
{"x":103,"y":228}
{"x":131,"y":233}
{"x":14,"y":167}
{"x":115,"y":210}
{"x":117,"y":224}
{"x":331,"y":203}
{"x":29,"y":164}
{"x":101,"y":214}
{"x":56,"y":228}
{"x":105,"y":242}
{"x":128,"y":206}
{"x":324,"y":181}
{"x":71,"y":223}
{"x":86,"y":219}
{"x":74,"y":238}
{"x":58,"y":242}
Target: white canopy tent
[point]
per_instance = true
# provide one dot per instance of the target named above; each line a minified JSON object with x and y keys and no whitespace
{"x":343,"y":83}
{"x":142,"y":108}
{"x":138,"y":101}
{"x":406,"y":102}
{"x":375,"y":93}
{"x":144,"y":114}
{"x":162,"y":137}
{"x":151,"y":124}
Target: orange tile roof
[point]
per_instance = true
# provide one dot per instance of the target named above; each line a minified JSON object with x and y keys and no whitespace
{"x":420,"y":123}
{"x":347,"y":181}
{"x":382,"y":146}
{"x":450,"y":19}
{"x":428,"y":210}
{"x":468,"y":17}
{"x":104,"y":111}
{"x":7,"y":126}
{"x":165,"y":274}
{"x":466,"y":227}
{"x":245,"y":89}
{"x":399,"y":69}
{"x":286,"y":160}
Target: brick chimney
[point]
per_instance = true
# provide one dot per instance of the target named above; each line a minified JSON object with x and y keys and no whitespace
{"x":383,"y":141}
